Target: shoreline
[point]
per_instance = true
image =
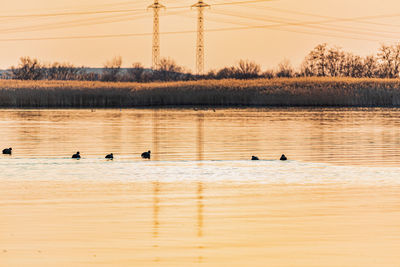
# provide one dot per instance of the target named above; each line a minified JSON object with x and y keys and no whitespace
{"x":258,"y":93}
{"x":200,"y":108}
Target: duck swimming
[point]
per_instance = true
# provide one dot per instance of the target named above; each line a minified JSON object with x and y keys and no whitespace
{"x":7,"y":151}
{"x":283,"y":157}
{"x":77,"y":155}
{"x":110,"y":156}
{"x":254,"y":158}
{"x":146,"y":155}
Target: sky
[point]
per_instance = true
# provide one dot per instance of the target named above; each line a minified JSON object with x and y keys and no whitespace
{"x":266,"y":32}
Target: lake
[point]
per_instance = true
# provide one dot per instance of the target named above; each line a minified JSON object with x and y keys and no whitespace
{"x":200,"y":200}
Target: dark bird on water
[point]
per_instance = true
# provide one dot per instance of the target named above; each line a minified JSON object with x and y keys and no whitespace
{"x":283,"y":157}
{"x":77,"y":155}
{"x":7,"y":151}
{"x":254,"y":158}
{"x":110,"y":156}
{"x":146,"y":155}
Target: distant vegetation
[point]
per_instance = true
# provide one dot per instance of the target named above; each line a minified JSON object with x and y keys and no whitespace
{"x":32,"y":69}
{"x":314,"y":91}
{"x":328,"y":76}
{"x":322,"y":61}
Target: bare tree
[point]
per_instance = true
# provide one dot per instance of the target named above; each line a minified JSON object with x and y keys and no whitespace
{"x":269,"y":74}
{"x":168,"y":65}
{"x":111,"y":69}
{"x":386,"y":59}
{"x":354,"y":64}
{"x":389,"y":57}
{"x":335,"y":59}
{"x":285,"y":69}
{"x":212,"y":74}
{"x":315,"y":64}
{"x":371,"y":67}
{"x":62,"y":71}
{"x":226,"y":72}
{"x":247,"y":69}
{"x":396,"y":59}
{"x":306,"y":70}
{"x":27,"y":69}
{"x":168,"y":69}
{"x":135,"y":72}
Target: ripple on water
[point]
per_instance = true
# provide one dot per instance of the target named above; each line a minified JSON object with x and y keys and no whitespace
{"x":263,"y":171}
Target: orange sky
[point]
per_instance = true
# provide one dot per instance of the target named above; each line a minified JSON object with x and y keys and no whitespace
{"x":279,"y":29}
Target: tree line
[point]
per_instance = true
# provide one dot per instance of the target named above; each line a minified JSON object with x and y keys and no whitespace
{"x":334,"y":62}
{"x":322,"y":61}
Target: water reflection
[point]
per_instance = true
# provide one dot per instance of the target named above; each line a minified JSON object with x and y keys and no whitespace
{"x":200,"y":219}
{"x":182,"y":202}
{"x":156,"y":222}
{"x":200,"y":138}
{"x":156,"y":129}
{"x":200,"y":204}
{"x":156,"y":209}
{"x":338,"y":136}
{"x":156,"y":185}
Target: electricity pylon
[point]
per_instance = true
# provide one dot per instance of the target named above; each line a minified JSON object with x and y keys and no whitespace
{"x":200,"y":36}
{"x":156,"y":33}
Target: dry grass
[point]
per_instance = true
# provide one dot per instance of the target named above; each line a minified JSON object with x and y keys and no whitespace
{"x":261,"y":92}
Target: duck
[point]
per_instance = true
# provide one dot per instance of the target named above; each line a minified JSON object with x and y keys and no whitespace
{"x":7,"y":151}
{"x":254,"y":158}
{"x":110,"y":156}
{"x":146,"y":155}
{"x":283,"y":157}
{"x":77,"y":155}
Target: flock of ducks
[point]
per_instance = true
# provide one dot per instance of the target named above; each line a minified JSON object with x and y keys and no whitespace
{"x":77,"y":155}
{"x":145,"y":155}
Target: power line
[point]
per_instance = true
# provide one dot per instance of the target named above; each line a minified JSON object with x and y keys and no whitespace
{"x":93,"y":21}
{"x":88,"y":36}
{"x":126,"y":17}
{"x":73,"y":13}
{"x":271,"y":27}
{"x":241,"y":2}
{"x":309,"y":24}
{"x":363,"y":20}
{"x":119,"y":11}
{"x":73,"y":23}
{"x":87,"y":7}
{"x":80,"y":22}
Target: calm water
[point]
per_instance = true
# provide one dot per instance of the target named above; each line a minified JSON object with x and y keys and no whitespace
{"x":200,"y":201}
{"x":368,"y":137}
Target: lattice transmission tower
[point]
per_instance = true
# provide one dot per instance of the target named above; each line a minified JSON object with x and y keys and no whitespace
{"x":156,"y":6}
{"x":200,"y":5}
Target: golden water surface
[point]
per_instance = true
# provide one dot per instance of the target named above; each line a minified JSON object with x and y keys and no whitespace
{"x":200,"y":201}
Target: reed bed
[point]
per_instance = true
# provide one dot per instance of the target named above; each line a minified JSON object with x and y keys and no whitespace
{"x":259,"y":92}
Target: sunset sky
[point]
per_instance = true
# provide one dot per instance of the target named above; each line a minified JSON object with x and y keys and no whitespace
{"x":274,"y":30}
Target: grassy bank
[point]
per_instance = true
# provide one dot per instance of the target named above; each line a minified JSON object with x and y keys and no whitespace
{"x":261,"y":92}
